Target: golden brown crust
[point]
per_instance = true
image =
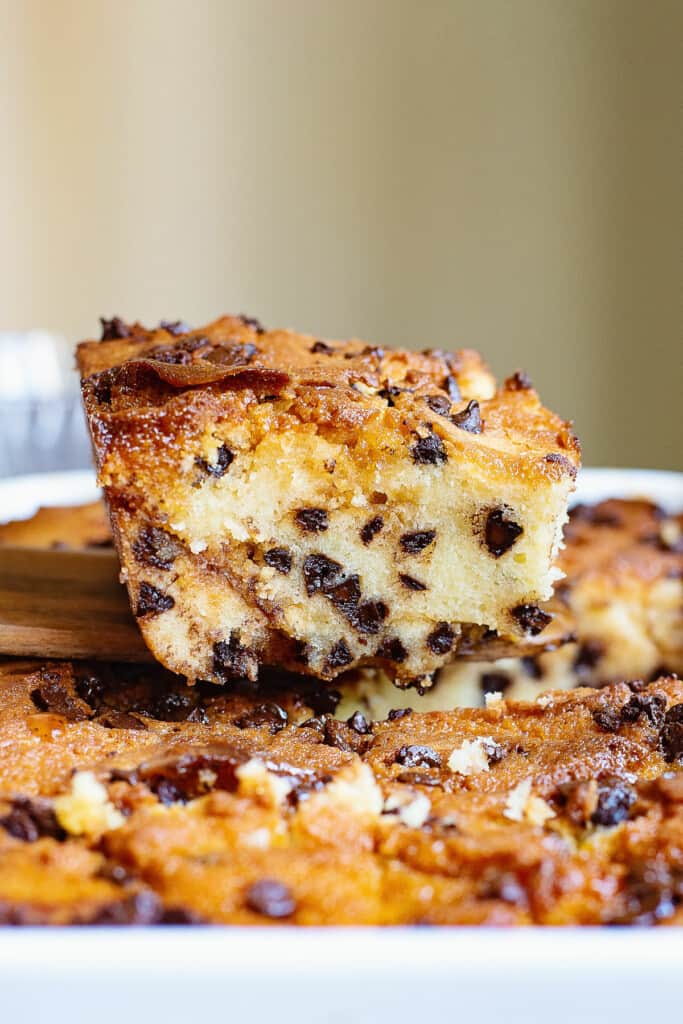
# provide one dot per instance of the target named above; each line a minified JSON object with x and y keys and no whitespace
{"x":152,"y":367}
{"x":236,"y":809}
{"x":242,"y":445}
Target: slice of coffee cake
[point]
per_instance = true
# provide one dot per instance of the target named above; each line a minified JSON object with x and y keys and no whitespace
{"x":623,"y":592}
{"x":277,"y":499}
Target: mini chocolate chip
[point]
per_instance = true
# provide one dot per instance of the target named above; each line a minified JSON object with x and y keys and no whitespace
{"x":181,"y":353}
{"x":231,"y":659}
{"x":389,"y":393}
{"x":532,"y":667}
{"x":588,"y":655}
{"x":180,"y":915}
{"x":371,"y":529}
{"x":270,"y":898}
{"x":370,"y":615}
{"x":168,"y":793}
{"x":441,"y":639}
{"x":344,"y":595}
{"x":172,"y":707}
{"x":438,"y":404}
{"x":279,"y":559}
{"x":319,"y":572}
{"x":562,"y":460}
{"x":52,"y":695}
{"x":142,"y":908}
{"x":373,"y":350}
{"x":671,"y":735}
{"x":115,"y":873}
{"x":339,"y":655}
{"x":397,"y":713}
{"x":417,"y":540}
{"x":392,"y":649}
{"x":112,"y":719}
{"x":420,"y":683}
{"x":615,"y":799}
{"x":152,"y":601}
{"x":343,"y":737}
{"x":494,"y":682}
{"x":244,"y":352}
{"x":114,"y":328}
{"x":91,"y":689}
{"x":429,"y":450}
{"x":317,"y":723}
{"x":519,"y":381}
{"x":418,"y":779}
{"x":638,"y":685}
{"x":451,"y":387}
{"x":102,"y":384}
{"x":153,"y":546}
{"x":320,"y":348}
{"x":313,"y":520}
{"x":31,"y":818}
{"x":500,"y":533}
{"x":217,"y":469}
{"x":358,"y":723}
{"x":251,"y":321}
{"x":469,"y":418}
{"x":417,"y":756}
{"x":495,"y":752}
{"x":531,"y":618}
{"x":411,"y":583}
{"x":181,"y":774}
{"x":650,"y":706}
{"x":607,"y":719}
{"x":270,"y":714}
{"x":175,"y":327}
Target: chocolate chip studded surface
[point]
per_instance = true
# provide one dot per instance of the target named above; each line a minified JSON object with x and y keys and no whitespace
{"x":236,"y":459}
{"x":262,"y":809}
{"x":622,"y":592}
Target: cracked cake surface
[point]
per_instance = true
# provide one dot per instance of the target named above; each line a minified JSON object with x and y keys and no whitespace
{"x":281,"y":500}
{"x":127,"y":797}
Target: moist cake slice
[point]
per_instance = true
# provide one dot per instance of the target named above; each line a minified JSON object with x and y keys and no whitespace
{"x":281,"y":500}
{"x":623,"y":591}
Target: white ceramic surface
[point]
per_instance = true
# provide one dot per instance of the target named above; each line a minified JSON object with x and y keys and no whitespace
{"x":361,"y":976}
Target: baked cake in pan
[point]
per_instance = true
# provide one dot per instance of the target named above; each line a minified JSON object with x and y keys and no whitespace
{"x":66,"y":526}
{"x":281,"y":500}
{"x":131,"y":798}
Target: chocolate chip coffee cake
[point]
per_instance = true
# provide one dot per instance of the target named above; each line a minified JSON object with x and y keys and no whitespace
{"x":623,"y":591}
{"x":127,"y":797}
{"x":281,"y":500}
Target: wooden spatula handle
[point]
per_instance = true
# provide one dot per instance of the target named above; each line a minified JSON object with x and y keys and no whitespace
{"x":66,"y":604}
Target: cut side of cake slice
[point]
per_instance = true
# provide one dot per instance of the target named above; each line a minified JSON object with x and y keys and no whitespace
{"x":281,"y":500}
{"x":622,"y":595}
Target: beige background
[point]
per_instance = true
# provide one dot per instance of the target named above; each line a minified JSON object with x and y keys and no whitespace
{"x":503,"y":174}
